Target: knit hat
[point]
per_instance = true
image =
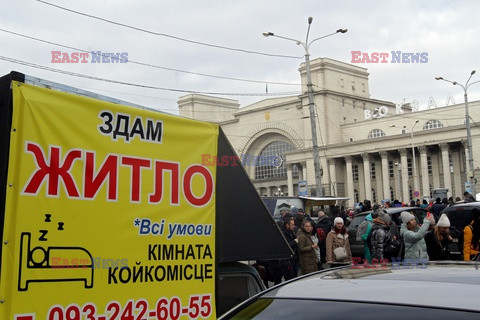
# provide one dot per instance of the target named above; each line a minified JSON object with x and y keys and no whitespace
{"x":406,"y":216}
{"x":443,"y":221}
{"x":385,"y":218}
{"x":338,"y":220}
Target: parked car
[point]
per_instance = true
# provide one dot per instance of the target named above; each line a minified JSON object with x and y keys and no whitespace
{"x":357,"y":246}
{"x":236,"y":282}
{"x":460,"y":215}
{"x":372,"y":292}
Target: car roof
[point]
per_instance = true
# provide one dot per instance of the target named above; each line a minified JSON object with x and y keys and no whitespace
{"x":463,"y":205}
{"x":394,"y":284}
{"x":400,"y":209}
{"x":391,"y":210}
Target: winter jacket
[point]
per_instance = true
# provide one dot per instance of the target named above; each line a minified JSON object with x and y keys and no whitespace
{"x":380,"y":234}
{"x":364,"y":235}
{"x":290,"y":237}
{"x":437,"y":209}
{"x":437,"y":250}
{"x":334,"y":241}
{"x":468,"y":249}
{"x":325,"y":223}
{"x":415,"y":246}
{"x":308,"y":257}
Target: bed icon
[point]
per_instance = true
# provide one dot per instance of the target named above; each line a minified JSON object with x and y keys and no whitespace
{"x":36,"y":264}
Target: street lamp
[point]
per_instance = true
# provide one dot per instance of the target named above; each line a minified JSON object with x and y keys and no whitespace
{"x":470,"y":174}
{"x":415,"y":177}
{"x":311,"y":103}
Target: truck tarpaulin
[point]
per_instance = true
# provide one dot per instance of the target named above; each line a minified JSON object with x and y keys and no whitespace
{"x":109,"y":212}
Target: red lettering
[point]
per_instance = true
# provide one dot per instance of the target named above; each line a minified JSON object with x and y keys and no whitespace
{"x":161,"y":166}
{"x":136,"y":165}
{"x":54,"y":171}
{"x":384,"y":56}
{"x":224,"y":160}
{"x":84,"y":56}
{"x":205,"y":159}
{"x":93,"y":182}
{"x":365,"y":58}
{"x":65,"y":57}
{"x":187,"y":185}
{"x":75,"y":57}
{"x":355,"y":55}
{"x":55,"y":55}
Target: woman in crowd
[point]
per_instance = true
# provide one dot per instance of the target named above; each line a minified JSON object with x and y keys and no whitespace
{"x":438,"y":240}
{"x":338,"y":245}
{"x":471,"y":237}
{"x":306,"y":248}
{"x":413,"y":236}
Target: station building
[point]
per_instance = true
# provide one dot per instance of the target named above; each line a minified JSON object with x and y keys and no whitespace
{"x":368,"y":148}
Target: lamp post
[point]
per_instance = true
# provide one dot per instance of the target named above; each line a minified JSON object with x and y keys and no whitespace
{"x":415,"y":177}
{"x":470,"y":173}
{"x":311,"y":103}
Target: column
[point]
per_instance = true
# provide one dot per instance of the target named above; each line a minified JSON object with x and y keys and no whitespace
{"x":447,"y":179}
{"x":333,"y":178}
{"x":404,"y":163}
{"x":349,"y":182}
{"x":436,"y":168}
{"x":367,"y":176}
{"x":289,"y":180}
{"x":457,"y":174}
{"x":385,"y":175}
{"x":304,"y":171}
{"x":424,"y":170}
{"x":269,"y":191}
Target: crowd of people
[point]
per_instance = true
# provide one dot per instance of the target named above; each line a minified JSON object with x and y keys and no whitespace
{"x":322,"y":241}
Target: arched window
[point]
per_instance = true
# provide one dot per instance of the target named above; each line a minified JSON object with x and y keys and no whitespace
{"x":269,"y":164}
{"x":432,"y":124}
{"x":376,"y":133}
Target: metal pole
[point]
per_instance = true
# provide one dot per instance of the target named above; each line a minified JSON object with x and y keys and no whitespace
{"x":311,"y":101}
{"x":471,"y":171}
{"x":471,"y":167}
{"x":415,"y":177}
{"x":313,"y":124}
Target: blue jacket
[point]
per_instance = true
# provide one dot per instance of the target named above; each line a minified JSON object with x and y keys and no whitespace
{"x":415,"y":246}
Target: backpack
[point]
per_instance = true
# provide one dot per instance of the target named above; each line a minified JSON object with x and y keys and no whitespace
{"x":391,"y":247}
{"x":321,"y":234}
{"x":362,"y":229}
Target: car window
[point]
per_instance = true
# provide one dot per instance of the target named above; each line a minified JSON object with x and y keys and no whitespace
{"x":234,"y":289}
{"x":420,"y":214}
{"x":459,"y":218}
{"x":340,"y":310}
{"x":357,"y":220}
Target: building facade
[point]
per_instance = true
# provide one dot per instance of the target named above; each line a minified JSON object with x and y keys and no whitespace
{"x":369,"y":149}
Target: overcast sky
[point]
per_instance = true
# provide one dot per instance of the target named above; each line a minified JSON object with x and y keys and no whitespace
{"x":448,"y":31}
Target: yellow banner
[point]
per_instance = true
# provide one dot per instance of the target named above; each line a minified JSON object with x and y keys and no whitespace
{"x":109,"y":212}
